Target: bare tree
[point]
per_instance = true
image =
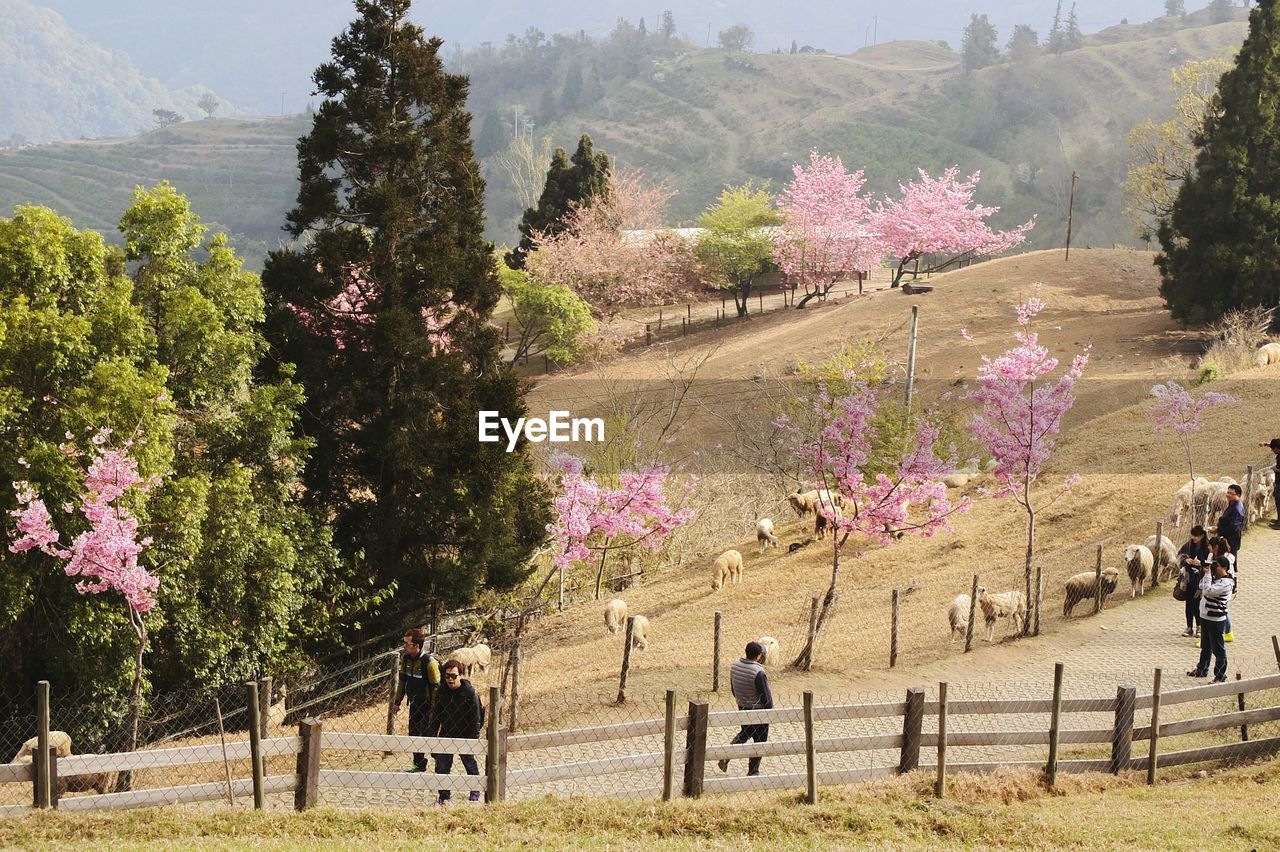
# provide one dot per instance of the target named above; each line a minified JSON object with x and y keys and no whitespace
{"x":525,"y":163}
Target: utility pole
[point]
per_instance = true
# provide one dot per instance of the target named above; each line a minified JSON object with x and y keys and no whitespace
{"x":708,"y":44}
{"x":875,"y":29}
{"x":1071,"y":203}
{"x":282,"y":103}
{"x":911,"y":356}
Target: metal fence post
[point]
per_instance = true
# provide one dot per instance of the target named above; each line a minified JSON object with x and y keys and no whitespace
{"x":893,"y":631}
{"x":255,"y":743}
{"x":626,"y":661}
{"x":393,"y":686}
{"x":308,"y":765}
{"x":813,"y":633}
{"x":264,"y":705}
{"x":912,"y":721}
{"x":1097,"y":583}
{"x":1248,"y":495}
{"x":1035,"y":630}
{"x":695,"y":748}
{"x":1159,"y":554}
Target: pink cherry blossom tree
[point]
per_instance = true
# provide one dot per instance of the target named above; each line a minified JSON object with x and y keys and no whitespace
{"x":105,"y":555}
{"x":939,"y":216}
{"x":909,"y":498}
{"x":826,"y":233}
{"x":591,"y":518}
{"x":1020,"y":416}
{"x":1178,"y":411}
{"x":617,"y":251}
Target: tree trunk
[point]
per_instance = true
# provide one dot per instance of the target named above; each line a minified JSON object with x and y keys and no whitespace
{"x":600,"y":573}
{"x":740,"y":297}
{"x":1031,"y":547}
{"x":124,"y":781}
{"x":828,"y":600}
{"x":902,"y":269}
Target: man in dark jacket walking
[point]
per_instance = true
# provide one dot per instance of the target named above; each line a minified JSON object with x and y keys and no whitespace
{"x":419,"y":680}
{"x":1231,"y":524}
{"x":750,"y":687}
{"x":458,"y":713}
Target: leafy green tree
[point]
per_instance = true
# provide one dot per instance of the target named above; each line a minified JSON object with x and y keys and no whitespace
{"x":1024,"y":44}
{"x":165,"y":118}
{"x":1175,"y":9}
{"x":978,"y":48}
{"x":736,"y":245}
{"x":383,"y":303}
{"x":1219,"y":11}
{"x":570,"y":181}
{"x":1220,"y":242}
{"x":550,"y":319}
{"x":736,"y":39}
{"x":208,"y":104}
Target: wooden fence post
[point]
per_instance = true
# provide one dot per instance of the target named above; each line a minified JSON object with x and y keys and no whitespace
{"x":911,"y":355}
{"x":810,"y":754}
{"x":973,"y":613}
{"x":1122,"y":731}
{"x":695,"y":748}
{"x":43,"y":790}
{"x":1055,"y":723}
{"x":1035,"y":631}
{"x":1159,"y":554}
{"x":492,"y":755}
{"x":308,"y":765}
{"x":626,"y":661}
{"x":688,"y":312}
{"x":940,"y":785}
{"x":1244,"y":728}
{"x":715,"y":656}
{"x":659,"y":319}
{"x":669,"y":748}
{"x":393,"y":684}
{"x":1154,"y":745}
{"x":1097,"y":583}
{"x":761,"y":295}
{"x":912,"y":720}
{"x":255,"y":743}
{"x":1275,"y":648}
{"x":1248,"y":495}
{"x":51,"y":758}
{"x":264,"y":705}
{"x":648,"y":334}
{"x":514,"y":698}
{"x":893,"y":631}
{"x":813,"y":633}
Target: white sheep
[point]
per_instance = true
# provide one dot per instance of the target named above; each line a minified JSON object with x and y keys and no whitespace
{"x":1260,"y":500}
{"x":639,"y":632}
{"x":1168,"y":554}
{"x":1211,"y":500}
{"x":823,"y":521}
{"x":60,"y":741}
{"x":1081,"y":587}
{"x":1268,"y":353}
{"x":772,"y":650}
{"x":962,"y":476}
{"x":805,"y":502}
{"x":958,"y":615}
{"x":277,"y":711}
{"x":1138,"y":561}
{"x":728,"y":566}
{"x":1183,"y":507}
{"x":1012,"y":605}
{"x":478,"y":656}
{"x":764,"y":534}
{"x":615,"y":615}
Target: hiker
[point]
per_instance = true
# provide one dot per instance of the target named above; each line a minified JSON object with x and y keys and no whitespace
{"x":750,"y":686}
{"x":1215,"y":600}
{"x":456,"y":713}
{"x":1274,"y":446}
{"x":419,"y":680}
{"x":1191,"y":559}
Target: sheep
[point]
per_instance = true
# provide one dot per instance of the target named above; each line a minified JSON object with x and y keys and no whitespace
{"x":796,"y":545}
{"x":1260,"y":500}
{"x":1081,"y":587}
{"x":962,"y":476}
{"x":477,"y":656}
{"x":1138,"y":561}
{"x":1182,"y":500}
{"x":1003,"y":605}
{"x":809,"y":501}
{"x":764,"y":534}
{"x":958,"y":615}
{"x":277,"y":711}
{"x":823,"y":521}
{"x":728,"y":566}
{"x":639,"y":632}
{"x":615,"y":615}
{"x":1168,"y":556}
{"x":101,"y":782}
{"x":1268,"y":353}
{"x":772,"y":650}
{"x":1211,"y":500}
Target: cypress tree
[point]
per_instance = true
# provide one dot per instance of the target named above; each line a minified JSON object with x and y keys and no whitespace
{"x":382,"y":303}
{"x":570,"y":180}
{"x":1221,"y":243}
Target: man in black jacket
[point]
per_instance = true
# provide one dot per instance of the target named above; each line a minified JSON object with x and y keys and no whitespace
{"x":457,"y":712}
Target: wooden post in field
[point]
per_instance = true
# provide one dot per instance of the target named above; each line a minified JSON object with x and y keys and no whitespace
{"x":1055,"y":723}
{"x":222,"y":737}
{"x":688,"y":312}
{"x":1244,"y":728}
{"x":43,"y":795}
{"x":669,"y":748}
{"x":1154,"y":745}
{"x":1071,"y":204}
{"x":684,"y":326}
{"x":810,"y":754}
{"x":1248,"y":494}
{"x":659,"y":319}
{"x":973,"y":614}
{"x":912,"y":721}
{"x":393,"y":685}
{"x":514,"y":699}
{"x":1159,"y":554}
{"x":648,"y":334}
{"x":695,"y":749}
{"x":626,"y":661}
{"x":493,"y":751}
{"x":1035,"y":631}
{"x":761,"y":297}
{"x":255,"y":744}
{"x":560,"y":606}
{"x":893,"y":631}
{"x":940,"y":784}
{"x":813,"y":633}
{"x":1097,"y":583}
{"x":911,"y":355}
{"x":308,"y":765}
{"x":264,"y":705}
{"x":1275,"y":648}
{"x":51,"y":760}
{"x":715,"y":656}
{"x":1122,"y":730}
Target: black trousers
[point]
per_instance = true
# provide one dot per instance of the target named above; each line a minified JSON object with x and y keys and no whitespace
{"x":754,"y":733}
{"x":419,"y":711}
{"x":444,"y":765}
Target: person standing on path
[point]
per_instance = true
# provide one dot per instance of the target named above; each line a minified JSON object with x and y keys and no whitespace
{"x":419,"y":680}
{"x":458,"y":713}
{"x":1231,"y":523}
{"x":1191,"y":560}
{"x":750,"y":687}
{"x":1274,"y":446}
{"x":1215,"y":600}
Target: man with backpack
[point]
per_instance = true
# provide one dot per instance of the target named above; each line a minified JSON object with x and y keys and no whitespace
{"x":419,"y":680}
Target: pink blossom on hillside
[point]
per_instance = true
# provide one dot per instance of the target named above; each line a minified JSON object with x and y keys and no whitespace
{"x":1177,"y":410}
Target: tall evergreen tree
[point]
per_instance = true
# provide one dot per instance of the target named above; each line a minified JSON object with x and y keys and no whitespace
{"x":572,"y":91}
{"x":570,"y":180}
{"x":978,"y":47}
{"x":1024,"y":44}
{"x":493,"y":135}
{"x":1073,"y":39}
{"x":1221,"y":243}
{"x":1057,"y":41}
{"x":383,"y":305}
{"x":667,"y":25}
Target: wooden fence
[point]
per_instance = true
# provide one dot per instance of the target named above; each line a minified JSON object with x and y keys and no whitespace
{"x":673,"y":751}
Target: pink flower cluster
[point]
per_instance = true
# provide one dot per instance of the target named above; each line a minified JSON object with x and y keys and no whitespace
{"x":590,"y":516}
{"x":106,"y":554}
{"x":1177,"y":410}
{"x":824,"y":224}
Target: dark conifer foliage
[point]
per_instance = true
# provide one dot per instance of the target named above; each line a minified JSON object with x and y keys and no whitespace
{"x":570,"y":180}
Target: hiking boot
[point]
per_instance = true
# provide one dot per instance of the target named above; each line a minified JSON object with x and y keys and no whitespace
{"x":723,"y":764}
{"x":474,"y":797}
{"x":1228,"y":637}
{"x":1219,"y":680}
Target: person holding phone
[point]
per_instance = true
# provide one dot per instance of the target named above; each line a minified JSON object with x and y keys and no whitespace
{"x":1193,"y":556}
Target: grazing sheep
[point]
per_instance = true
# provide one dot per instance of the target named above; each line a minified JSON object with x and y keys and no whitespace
{"x":277,"y":711}
{"x":639,"y":632}
{"x":962,"y":476}
{"x":1182,"y":500}
{"x":764,"y":534}
{"x":809,"y":501}
{"x":1168,"y":554}
{"x":823,"y":520}
{"x":1268,"y":353}
{"x":772,"y":650}
{"x":1260,"y":499}
{"x":1138,"y":561}
{"x":477,"y":656}
{"x":101,"y":782}
{"x":1211,"y":500}
{"x":958,"y":616}
{"x":1080,"y":587}
{"x":1011,"y":605}
{"x":728,"y":565}
{"x":615,"y":615}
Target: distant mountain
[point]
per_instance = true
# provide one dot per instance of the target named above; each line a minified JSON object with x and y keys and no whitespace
{"x":58,"y":84}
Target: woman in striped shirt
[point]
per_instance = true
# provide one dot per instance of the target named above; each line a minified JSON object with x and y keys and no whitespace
{"x":1215,"y":599}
